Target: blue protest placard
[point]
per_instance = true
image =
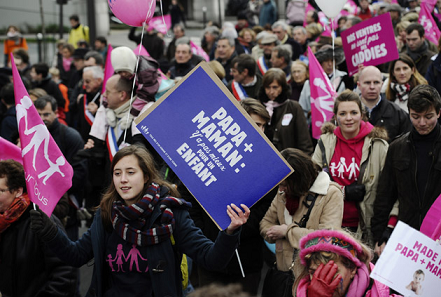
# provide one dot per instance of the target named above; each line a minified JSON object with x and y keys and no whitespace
{"x":212,"y":145}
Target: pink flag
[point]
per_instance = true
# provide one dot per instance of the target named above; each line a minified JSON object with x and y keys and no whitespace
{"x":108,"y":68}
{"x":197,"y":50}
{"x":431,"y":29}
{"x":48,"y":174}
{"x":431,"y":225}
{"x":158,"y":23}
{"x":429,"y":3}
{"x":322,"y":95}
{"x":141,"y":51}
{"x":10,"y":151}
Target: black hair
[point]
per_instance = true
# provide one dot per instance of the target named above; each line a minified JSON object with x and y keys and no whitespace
{"x":41,"y":102}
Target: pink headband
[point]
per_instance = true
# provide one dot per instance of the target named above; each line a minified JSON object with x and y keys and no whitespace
{"x":330,"y":241}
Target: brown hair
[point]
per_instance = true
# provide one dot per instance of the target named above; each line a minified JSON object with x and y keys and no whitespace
{"x":347,"y":96}
{"x":423,"y":98}
{"x":147,"y":165}
{"x":253,"y":106}
{"x":305,"y":172}
{"x":278,"y":75}
{"x":14,"y":174}
{"x":415,"y":80}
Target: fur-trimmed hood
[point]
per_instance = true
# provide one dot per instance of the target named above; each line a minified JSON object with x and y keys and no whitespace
{"x":377,"y":132}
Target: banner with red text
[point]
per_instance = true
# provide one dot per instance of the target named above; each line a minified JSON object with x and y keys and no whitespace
{"x":371,"y":42}
{"x":410,"y":264}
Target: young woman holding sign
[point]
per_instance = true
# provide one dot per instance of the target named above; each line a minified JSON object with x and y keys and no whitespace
{"x":140,"y":232}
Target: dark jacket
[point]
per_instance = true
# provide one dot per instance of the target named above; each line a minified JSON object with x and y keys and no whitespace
{"x":70,"y":142}
{"x":252,"y":91}
{"x":9,"y":124}
{"x":251,"y":243}
{"x":151,"y":42}
{"x":390,"y":116}
{"x":79,"y":121}
{"x":433,"y":74}
{"x":398,"y":181}
{"x":296,"y":48}
{"x":423,"y":61}
{"x":27,"y":266}
{"x":288,"y":128}
{"x":180,"y":69}
{"x":52,"y":89}
{"x":189,"y":240}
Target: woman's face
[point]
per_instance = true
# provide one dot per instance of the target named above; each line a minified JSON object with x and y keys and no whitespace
{"x":247,"y":36}
{"x":298,"y":73}
{"x":402,"y":72}
{"x":402,"y":34}
{"x":208,"y":37}
{"x":346,"y":274}
{"x":273,"y":90}
{"x":128,"y":179}
{"x":349,"y":118}
{"x":6,"y":197}
{"x":65,"y":53}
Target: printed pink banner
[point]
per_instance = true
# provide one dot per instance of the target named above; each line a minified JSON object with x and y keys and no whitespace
{"x":108,"y":68}
{"x":48,"y":174}
{"x":197,"y":50}
{"x":141,"y":51}
{"x":371,"y":42}
{"x":10,"y":151}
{"x":430,"y":28}
{"x":158,"y":24}
{"x":322,"y":95}
{"x":410,"y":264}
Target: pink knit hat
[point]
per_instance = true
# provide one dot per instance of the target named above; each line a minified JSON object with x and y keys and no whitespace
{"x":330,"y":241}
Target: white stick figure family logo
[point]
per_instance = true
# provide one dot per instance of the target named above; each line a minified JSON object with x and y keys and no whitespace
{"x":339,"y":169}
{"x":324,"y":101}
{"x":39,"y":136}
{"x":120,"y":259}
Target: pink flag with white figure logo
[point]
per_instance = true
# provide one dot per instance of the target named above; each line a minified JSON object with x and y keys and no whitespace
{"x":322,"y":95}
{"x":47,"y":172}
{"x":197,"y":50}
{"x":10,"y":151}
{"x":432,"y":32}
{"x":141,"y":51}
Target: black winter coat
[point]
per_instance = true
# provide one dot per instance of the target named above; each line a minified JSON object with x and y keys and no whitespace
{"x":28,"y":268}
{"x":398,"y":181}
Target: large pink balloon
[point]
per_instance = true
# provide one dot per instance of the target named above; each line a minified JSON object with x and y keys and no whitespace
{"x":133,"y":12}
{"x":331,"y":8}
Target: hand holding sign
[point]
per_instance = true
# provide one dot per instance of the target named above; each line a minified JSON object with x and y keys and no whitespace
{"x":237,"y":216}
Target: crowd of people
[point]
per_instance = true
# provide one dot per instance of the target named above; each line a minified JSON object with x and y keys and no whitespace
{"x":376,"y":162}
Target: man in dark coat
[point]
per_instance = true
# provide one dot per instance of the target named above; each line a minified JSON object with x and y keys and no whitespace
{"x":380,"y":111}
{"x":411,"y":172}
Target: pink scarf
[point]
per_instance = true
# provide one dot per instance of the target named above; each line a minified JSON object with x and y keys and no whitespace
{"x":357,"y":288}
{"x":66,"y":63}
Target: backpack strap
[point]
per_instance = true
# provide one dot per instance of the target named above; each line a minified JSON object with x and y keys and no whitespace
{"x":310,"y":198}
{"x":324,"y":160}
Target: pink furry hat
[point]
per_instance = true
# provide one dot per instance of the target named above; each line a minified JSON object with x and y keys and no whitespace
{"x":330,"y":241}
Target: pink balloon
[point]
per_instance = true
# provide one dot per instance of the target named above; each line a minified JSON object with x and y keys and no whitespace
{"x":133,"y":12}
